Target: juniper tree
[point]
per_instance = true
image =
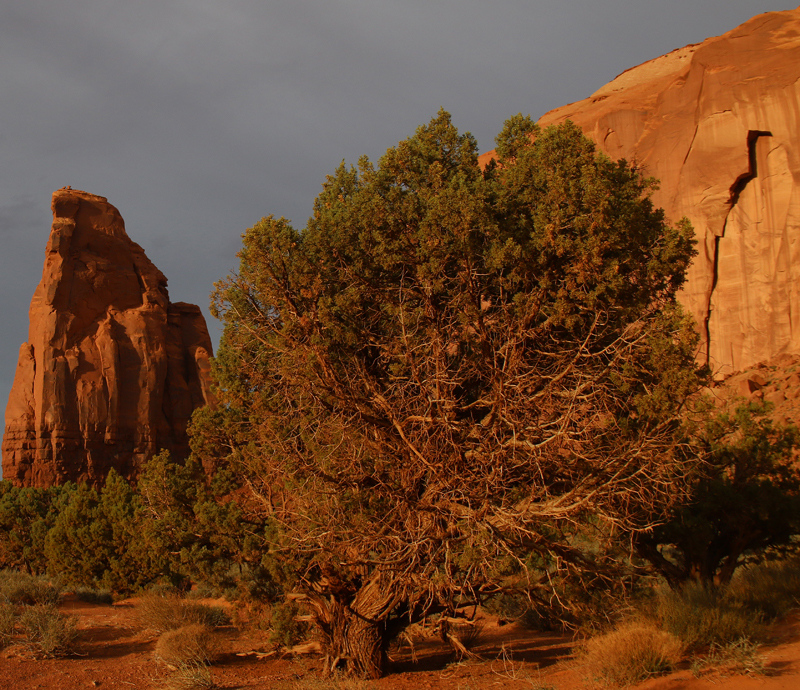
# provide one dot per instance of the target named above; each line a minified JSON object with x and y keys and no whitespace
{"x":449,"y":369}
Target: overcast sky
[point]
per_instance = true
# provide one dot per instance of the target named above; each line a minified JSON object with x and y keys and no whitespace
{"x":195,"y":118}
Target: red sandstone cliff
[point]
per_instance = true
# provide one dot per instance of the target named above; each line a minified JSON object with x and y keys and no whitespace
{"x":112,"y":370}
{"x":718,"y":123}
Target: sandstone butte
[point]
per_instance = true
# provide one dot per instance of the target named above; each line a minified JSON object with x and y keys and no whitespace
{"x":112,"y":370}
{"x":718,"y":123}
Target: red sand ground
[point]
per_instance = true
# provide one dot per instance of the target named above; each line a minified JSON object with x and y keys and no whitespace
{"x":112,"y":652}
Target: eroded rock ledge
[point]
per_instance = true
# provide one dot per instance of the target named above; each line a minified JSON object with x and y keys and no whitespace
{"x":112,"y":370}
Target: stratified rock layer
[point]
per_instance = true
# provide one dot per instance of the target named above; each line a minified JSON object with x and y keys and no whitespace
{"x":718,"y":123}
{"x":112,"y":370}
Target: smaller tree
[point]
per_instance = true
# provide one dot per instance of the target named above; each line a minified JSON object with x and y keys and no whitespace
{"x":744,"y":499}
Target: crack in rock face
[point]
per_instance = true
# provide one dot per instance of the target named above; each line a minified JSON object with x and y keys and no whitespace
{"x":718,"y":124}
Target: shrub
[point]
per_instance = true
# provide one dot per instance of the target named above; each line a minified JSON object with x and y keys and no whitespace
{"x":94,"y":596}
{"x":48,"y":631}
{"x":285,"y":629}
{"x":162,"y":613}
{"x":631,"y":653}
{"x":700,"y":615}
{"x":190,"y":677}
{"x":21,"y":588}
{"x":771,"y":589}
{"x":740,"y":657}
{"x":7,"y":622}
{"x":191,"y":644}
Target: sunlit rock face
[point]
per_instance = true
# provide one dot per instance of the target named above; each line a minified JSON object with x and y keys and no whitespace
{"x":718,"y":123}
{"x":112,"y":370}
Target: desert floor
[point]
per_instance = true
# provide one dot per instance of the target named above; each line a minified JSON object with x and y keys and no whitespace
{"x":112,"y":652}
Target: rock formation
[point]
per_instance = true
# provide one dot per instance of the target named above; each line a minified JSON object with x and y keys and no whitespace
{"x":718,"y":123}
{"x":112,"y":370}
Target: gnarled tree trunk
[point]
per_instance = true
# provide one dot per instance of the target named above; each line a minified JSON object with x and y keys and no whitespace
{"x":354,"y":625}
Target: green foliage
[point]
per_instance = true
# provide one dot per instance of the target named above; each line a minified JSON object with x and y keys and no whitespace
{"x":26,"y":515}
{"x":285,"y":629}
{"x":447,"y":371}
{"x":745,"y":498}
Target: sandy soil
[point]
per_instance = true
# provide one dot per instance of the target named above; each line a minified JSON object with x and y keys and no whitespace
{"x":112,"y":652}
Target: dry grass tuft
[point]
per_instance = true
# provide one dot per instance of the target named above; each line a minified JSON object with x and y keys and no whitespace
{"x":21,"y":588}
{"x":740,"y":657}
{"x":193,"y":645}
{"x":48,"y":632}
{"x":631,"y":653}
{"x":161,"y":613}
{"x":191,"y":677}
{"x":702,"y":616}
{"x":8,"y":619}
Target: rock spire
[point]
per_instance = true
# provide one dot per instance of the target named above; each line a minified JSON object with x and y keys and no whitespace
{"x":112,"y":370}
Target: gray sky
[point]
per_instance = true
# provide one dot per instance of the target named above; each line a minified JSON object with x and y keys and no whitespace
{"x":195,"y":118}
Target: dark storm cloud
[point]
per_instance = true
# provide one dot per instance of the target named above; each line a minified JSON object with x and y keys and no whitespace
{"x":197,"y":117}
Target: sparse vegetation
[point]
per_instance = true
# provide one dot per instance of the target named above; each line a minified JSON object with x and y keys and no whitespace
{"x":163,"y":612}
{"x":190,"y":676}
{"x":92,"y":595}
{"x":48,"y":631}
{"x":741,"y":656}
{"x":631,"y":653}
{"x":8,"y":620}
{"x":187,"y":646}
{"x":701,"y":615}
{"x":22,"y":588}
{"x":771,"y":588}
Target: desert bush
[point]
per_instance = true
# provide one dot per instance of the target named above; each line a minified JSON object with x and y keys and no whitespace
{"x":772,"y":589}
{"x":8,"y":620}
{"x":161,"y":613}
{"x":191,"y":644}
{"x":190,"y":676}
{"x":740,"y":656}
{"x":94,"y":596}
{"x":47,"y":630}
{"x":21,"y":588}
{"x":631,"y":653}
{"x":285,"y":629}
{"x":701,"y":615}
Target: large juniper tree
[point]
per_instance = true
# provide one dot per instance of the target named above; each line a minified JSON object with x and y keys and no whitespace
{"x":451,"y":368}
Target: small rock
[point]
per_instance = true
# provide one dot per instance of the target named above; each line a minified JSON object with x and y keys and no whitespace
{"x":775,"y":397}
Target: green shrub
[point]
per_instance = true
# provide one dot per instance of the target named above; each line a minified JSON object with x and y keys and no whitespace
{"x":162,"y":613}
{"x":48,"y":631}
{"x":631,"y":653}
{"x":285,"y":629}
{"x":189,"y":645}
{"x":21,"y":588}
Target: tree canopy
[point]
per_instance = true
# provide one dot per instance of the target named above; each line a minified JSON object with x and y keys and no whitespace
{"x":451,"y":371}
